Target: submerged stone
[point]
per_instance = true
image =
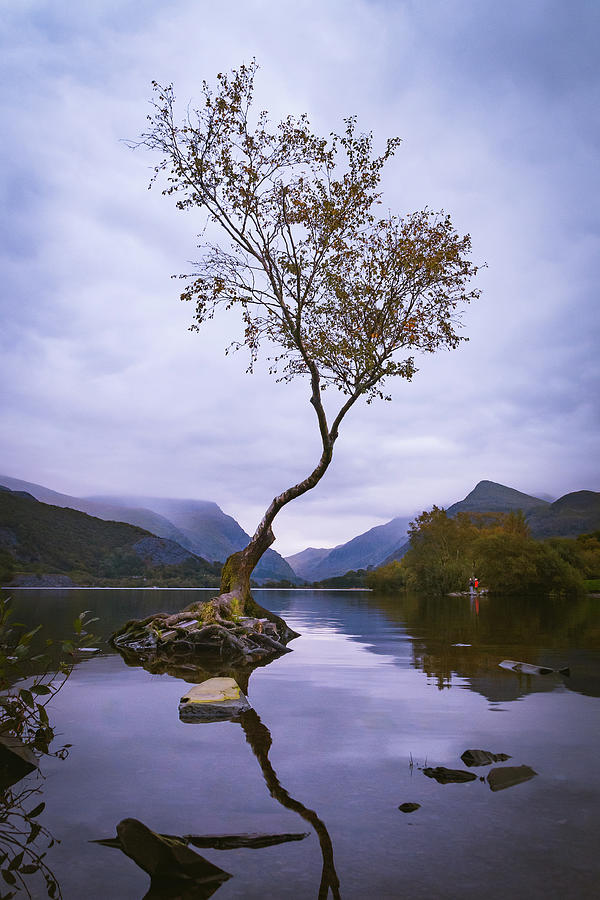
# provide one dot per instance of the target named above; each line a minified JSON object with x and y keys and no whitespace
{"x":531,"y":669}
{"x":449,"y":776}
{"x":252,"y":841}
{"x":213,"y":700}
{"x":175,"y":870}
{"x":16,"y":760}
{"x":508,"y":776}
{"x":409,"y":807}
{"x":482,"y":757}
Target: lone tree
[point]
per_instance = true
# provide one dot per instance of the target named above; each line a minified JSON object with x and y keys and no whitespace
{"x":346,"y":297}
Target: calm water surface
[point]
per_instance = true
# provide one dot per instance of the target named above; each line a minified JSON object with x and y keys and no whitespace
{"x":376,"y":689}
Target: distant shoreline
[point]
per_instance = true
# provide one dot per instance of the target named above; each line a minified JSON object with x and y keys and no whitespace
{"x":75,"y":587}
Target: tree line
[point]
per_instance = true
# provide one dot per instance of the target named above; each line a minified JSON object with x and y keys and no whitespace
{"x":496,"y":548}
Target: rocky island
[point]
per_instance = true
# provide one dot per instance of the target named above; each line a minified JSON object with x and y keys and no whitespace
{"x":212,"y":630}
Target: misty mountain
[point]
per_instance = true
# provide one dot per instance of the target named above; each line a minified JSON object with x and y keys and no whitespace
{"x":109,"y":510}
{"x":368,"y":549}
{"x":208,"y":531}
{"x":198,"y":525}
{"x":307,"y":560}
{"x":42,"y":538}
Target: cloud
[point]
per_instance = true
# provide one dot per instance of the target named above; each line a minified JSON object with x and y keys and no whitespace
{"x":106,"y":389}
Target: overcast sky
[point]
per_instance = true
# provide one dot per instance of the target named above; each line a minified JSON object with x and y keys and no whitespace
{"x":104,"y":390}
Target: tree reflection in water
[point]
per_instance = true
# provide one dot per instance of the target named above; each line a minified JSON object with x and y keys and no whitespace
{"x":177,"y":872}
{"x":259,"y":738}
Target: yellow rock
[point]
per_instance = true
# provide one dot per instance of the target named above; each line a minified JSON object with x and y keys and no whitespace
{"x":217,"y":698}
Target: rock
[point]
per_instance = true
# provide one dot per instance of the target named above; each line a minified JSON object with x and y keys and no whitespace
{"x":16,"y":760}
{"x":530,"y":669}
{"x":448,"y":776}
{"x":507,"y":776}
{"x":409,"y":807}
{"x":166,"y":636}
{"x":213,"y":700}
{"x":234,"y":841}
{"x":482,"y":757}
{"x":137,"y":639}
{"x":167,"y":860}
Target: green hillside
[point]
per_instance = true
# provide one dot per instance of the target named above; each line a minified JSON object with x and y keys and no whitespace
{"x":573,"y":514}
{"x":40,"y":538}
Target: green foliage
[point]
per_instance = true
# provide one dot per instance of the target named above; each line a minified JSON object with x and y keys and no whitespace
{"x":192,"y":572}
{"x":59,"y":539}
{"x":120,"y":563}
{"x":23,"y":710}
{"x":23,"y":715}
{"x":349,"y":579}
{"x":19,"y":833}
{"x":588,"y":548}
{"x":7,"y":566}
{"x":512,"y":564}
{"x":496,"y":547}
{"x":440,"y":558}
{"x":389,"y":579}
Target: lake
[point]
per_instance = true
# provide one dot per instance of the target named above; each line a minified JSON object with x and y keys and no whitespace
{"x":377,"y":688}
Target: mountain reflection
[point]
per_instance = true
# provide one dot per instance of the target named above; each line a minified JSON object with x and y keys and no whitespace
{"x":451,"y":638}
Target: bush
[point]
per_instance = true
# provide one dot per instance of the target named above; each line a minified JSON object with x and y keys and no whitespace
{"x":389,"y":578}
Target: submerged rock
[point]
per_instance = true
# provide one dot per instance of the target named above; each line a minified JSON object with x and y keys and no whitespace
{"x":409,"y":807}
{"x":507,"y":776}
{"x":530,"y":669}
{"x":482,"y":757}
{"x":235,"y":841}
{"x":16,"y":760}
{"x":176,"y":871}
{"x":449,"y":776}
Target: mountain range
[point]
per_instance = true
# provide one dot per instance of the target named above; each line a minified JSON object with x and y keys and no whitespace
{"x":202,"y":529}
{"x":364,"y":551}
{"x":573,"y":514}
{"x":199,"y":526}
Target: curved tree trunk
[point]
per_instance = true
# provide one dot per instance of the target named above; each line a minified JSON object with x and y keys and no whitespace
{"x":235,"y":578}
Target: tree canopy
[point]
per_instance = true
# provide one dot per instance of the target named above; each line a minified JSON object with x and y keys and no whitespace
{"x":337,"y":289}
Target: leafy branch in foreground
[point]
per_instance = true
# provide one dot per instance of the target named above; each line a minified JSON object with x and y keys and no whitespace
{"x":23,"y":710}
{"x":339,"y":294}
{"x":19,"y":832}
{"x":25,"y":735}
